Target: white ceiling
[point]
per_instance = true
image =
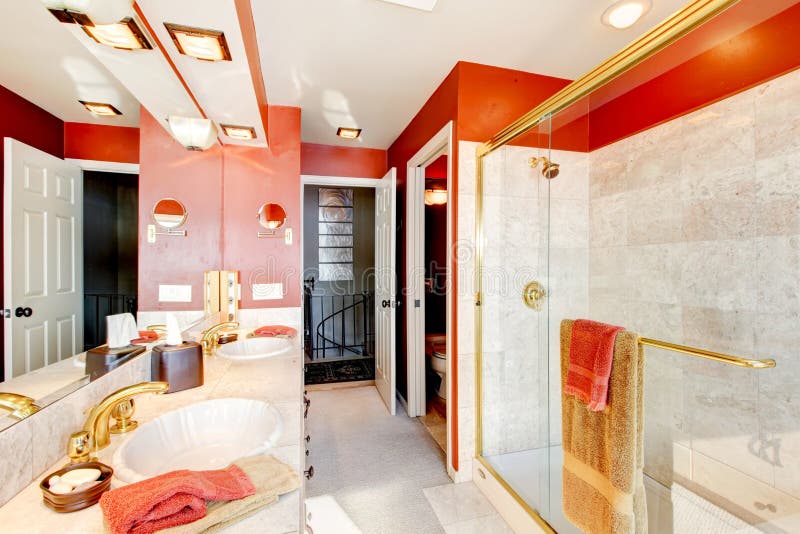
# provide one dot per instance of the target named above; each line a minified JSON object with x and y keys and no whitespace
{"x":373,"y":64}
{"x":46,"y":65}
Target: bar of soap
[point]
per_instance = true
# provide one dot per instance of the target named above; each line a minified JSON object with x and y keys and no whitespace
{"x":76,"y":477}
{"x":61,"y":488}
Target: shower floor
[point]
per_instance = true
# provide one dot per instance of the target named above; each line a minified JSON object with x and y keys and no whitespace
{"x":527,"y":473}
{"x":675,"y":511}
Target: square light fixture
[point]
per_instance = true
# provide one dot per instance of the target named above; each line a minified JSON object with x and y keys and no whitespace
{"x":100,"y":108}
{"x":125,"y":35}
{"x":208,"y":45}
{"x":244,"y":133}
{"x":348,"y":133}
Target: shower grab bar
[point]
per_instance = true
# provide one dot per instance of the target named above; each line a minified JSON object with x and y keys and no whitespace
{"x":738,"y":361}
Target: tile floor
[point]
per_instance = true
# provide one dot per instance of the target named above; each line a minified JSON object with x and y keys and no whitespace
{"x":462,"y":509}
{"x":386,"y":473}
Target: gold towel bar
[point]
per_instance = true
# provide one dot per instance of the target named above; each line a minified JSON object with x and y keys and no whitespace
{"x":716,"y":356}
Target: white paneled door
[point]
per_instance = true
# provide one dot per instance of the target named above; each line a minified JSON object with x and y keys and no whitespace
{"x":385,"y":289}
{"x":43,"y":259}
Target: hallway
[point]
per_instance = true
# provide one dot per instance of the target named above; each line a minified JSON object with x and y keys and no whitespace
{"x":376,"y":467}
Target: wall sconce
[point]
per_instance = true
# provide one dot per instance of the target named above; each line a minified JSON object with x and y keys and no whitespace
{"x":193,"y":133}
{"x":272,"y":217}
{"x":169,"y":214}
{"x":435,"y":197}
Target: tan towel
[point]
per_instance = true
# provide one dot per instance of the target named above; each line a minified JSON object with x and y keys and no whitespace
{"x":271,"y":478}
{"x":603,"y":488}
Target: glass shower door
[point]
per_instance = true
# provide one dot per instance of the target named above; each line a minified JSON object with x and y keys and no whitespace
{"x":514,"y":238}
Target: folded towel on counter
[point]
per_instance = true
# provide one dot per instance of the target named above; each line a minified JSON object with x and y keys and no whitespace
{"x":275,"y":331}
{"x":271,"y":478}
{"x":171,"y":499}
{"x":603,"y":481}
{"x":121,"y":330}
{"x":591,"y":353}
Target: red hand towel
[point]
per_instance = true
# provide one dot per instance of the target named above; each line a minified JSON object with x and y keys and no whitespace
{"x":171,"y":499}
{"x":591,"y":354}
{"x":275,"y":330}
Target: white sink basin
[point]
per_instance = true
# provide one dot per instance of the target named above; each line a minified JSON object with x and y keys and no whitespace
{"x":255,"y":348}
{"x":206,"y":435}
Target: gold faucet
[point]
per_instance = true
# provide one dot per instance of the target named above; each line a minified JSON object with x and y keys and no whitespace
{"x":95,"y":433}
{"x":209,"y":338}
{"x":20,"y":406}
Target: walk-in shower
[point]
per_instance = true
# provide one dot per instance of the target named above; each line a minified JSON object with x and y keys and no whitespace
{"x":678,"y":223}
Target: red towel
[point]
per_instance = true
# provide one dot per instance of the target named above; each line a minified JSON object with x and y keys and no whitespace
{"x":591,"y":354}
{"x":275,"y":330}
{"x":171,"y":499}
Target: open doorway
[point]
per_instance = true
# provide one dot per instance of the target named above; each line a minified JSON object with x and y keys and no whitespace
{"x":339,"y":285}
{"x":429,"y":324}
{"x":110,"y":252}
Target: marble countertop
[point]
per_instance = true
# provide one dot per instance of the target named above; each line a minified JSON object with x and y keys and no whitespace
{"x":278,"y":380}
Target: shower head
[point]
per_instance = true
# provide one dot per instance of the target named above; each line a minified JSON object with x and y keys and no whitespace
{"x":549,"y":169}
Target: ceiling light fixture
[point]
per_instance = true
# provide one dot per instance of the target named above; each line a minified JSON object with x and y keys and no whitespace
{"x":243,"y":133}
{"x":208,"y":45}
{"x":89,"y":12}
{"x":435,"y":197}
{"x":625,"y":13}
{"x":100,"y":108}
{"x":125,"y":35}
{"x":193,"y":133}
{"x":348,"y":133}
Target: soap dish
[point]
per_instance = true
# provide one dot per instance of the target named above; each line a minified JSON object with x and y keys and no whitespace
{"x":77,"y":500}
{"x":227,"y":338}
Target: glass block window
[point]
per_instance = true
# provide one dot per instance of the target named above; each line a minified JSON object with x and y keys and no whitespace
{"x":335,"y":235}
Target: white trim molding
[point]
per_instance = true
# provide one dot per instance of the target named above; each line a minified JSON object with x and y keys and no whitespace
{"x":105,"y":166}
{"x":339,"y":181}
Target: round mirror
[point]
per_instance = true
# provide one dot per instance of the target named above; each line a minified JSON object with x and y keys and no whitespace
{"x":271,"y":216}
{"x":169,"y":213}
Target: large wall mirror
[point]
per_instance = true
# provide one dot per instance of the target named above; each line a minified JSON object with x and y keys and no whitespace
{"x":64,"y":278}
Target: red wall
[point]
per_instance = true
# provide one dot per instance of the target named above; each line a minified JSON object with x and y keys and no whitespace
{"x":222,"y":189}
{"x":101,"y":142}
{"x":252,"y":177}
{"x":353,"y":162}
{"x":167,"y":169}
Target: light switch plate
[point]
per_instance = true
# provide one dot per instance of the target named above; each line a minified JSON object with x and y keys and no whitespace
{"x":287,"y":236}
{"x":174,"y":293}
{"x":151,"y":233}
{"x":267,"y":291}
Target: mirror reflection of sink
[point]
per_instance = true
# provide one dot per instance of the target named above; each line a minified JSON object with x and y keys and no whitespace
{"x":206,"y":435}
{"x":255,"y":348}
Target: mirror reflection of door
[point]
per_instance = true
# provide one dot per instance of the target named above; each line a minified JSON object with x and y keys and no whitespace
{"x":69,"y":288}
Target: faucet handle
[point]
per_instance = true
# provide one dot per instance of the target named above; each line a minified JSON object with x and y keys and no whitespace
{"x":122,"y":413}
{"x":79,"y":447}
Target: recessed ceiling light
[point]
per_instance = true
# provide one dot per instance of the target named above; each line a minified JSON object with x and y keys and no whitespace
{"x":208,"y":45}
{"x":625,"y":13}
{"x":244,"y":133}
{"x":125,"y":35}
{"x":348,"y":133}
{"x":424,"y":5}
{"x":100,"y":108}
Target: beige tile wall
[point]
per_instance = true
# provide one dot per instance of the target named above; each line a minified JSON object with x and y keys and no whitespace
{"x":695,"y":238}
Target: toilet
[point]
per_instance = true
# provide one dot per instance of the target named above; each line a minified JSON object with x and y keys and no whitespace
{"x":436,"y":352}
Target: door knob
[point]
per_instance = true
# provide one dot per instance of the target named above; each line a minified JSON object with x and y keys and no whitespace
{"x":20,"y":311}
{"x":27,"y":312}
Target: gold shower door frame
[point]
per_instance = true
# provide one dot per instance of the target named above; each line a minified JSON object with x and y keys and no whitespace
{"x":691,"y":16}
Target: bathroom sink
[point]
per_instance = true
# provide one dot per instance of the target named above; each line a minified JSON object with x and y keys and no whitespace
{"x":206,"y":435}
{"x":255,"y":348}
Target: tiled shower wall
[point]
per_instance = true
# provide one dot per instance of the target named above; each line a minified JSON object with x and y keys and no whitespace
{"x":515,"y":337}
{"x":695,"y":239}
